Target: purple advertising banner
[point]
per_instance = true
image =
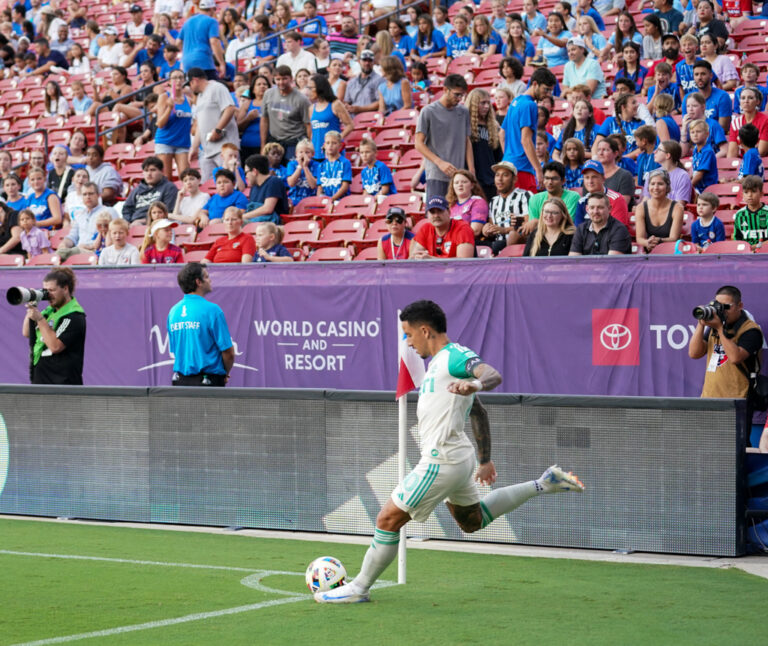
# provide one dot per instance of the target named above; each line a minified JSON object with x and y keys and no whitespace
{"x":604,"y":326}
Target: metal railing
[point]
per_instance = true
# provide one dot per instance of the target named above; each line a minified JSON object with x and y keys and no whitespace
{"x":396,"y":11}
{"x":274,"y":34}
{"x":121,"y":99}
{"x":29,"y":134}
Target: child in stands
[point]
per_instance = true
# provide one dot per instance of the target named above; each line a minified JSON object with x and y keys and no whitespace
{"x":269,"y":249}
{"x":33,"y":240}
{"x":707,"y":228}
{"x":376,"y":177}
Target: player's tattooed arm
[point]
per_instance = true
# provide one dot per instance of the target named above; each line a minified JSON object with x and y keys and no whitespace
{"x":481,"y":429}
{"x":487,"y":375}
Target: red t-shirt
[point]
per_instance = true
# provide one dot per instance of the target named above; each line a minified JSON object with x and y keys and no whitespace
{"x":736,"y":8}
{"x":231,"y":250}
{"x":619,"y":208}
{"x":445,"y":246}
{"x":760,"y":122}
{"x":652,"y":68}
{"x":167,"y":256}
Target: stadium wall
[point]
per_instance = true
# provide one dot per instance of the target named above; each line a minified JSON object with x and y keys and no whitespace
{"x":662,"y":475}
{"x":581,"y":326}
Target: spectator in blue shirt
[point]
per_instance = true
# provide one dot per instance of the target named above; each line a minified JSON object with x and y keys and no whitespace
{"x":707,"y":228}
{"x":400,"y":37}
{"x":375,"y":176}
{"x":269,"y":249}
{"x":225,"y":196}
{"x":751,"y":163}
{"x":552,"y":41}
{"x":704,"y":163}
{"x":718,"y":102}
{"x":645,"y":137}
{"x":585,"y":8}
{"x":170,"y":62}
{"x":532,"y":18}
{"x":460,"y":41}
{"x":302,"y":172}
{"x":662,"y":75}
{"x":630,"y":67}
{"x":313,"y":26}
{"x":428,"y":42}
{"x":201,"y":45}
{"x":267,"y":199}
{"x":485,"y":41}
{"x":335,"y":171}
{"x":749,"y":75}
{"x":517,"y":44}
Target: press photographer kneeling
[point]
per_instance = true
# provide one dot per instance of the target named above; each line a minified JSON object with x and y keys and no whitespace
{"x":57,"y":334}
{"x":731,"y":342}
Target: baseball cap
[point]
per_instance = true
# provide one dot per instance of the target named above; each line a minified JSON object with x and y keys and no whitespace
{"x":136,"y":8}
{"x":578,"y":41}
{"x":437,"y":202}
{"x":593,"y":165}
{"x":506,"y":165}
{"x":207,"y":4}
{"x":395,"y":212}
{"x":367,"y":55}
{"x":670,"y":35}
{"x":110,"y":30}
{"x":195,"y":73}
{"x":162,"y":224}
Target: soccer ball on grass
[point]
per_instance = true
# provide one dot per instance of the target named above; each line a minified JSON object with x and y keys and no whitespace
{"x":325,"y":573}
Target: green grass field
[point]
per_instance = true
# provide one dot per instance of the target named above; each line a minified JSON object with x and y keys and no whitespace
{"x":136,"y":585}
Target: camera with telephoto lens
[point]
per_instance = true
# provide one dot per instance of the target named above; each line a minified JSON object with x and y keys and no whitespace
{"x":23,"y":295}
{"x":711,"y":310}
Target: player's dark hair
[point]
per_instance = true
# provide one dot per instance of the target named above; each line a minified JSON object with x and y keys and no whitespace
{"x":427,"y":313}
{"x":730,"y":290}
{"x":749,"y":135}
{"x":189,"y":275}
{"x":63,"y":277}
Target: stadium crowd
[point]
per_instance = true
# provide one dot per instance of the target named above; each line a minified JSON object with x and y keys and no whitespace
{"x":276,"y":131}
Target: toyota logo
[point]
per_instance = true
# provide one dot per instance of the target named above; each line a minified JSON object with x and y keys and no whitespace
{"x":615,"y":336}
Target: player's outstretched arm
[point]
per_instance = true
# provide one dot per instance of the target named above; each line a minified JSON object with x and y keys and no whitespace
{"x":481,"y":429}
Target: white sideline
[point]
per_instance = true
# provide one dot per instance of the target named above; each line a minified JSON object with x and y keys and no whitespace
{"x":756,"y":565}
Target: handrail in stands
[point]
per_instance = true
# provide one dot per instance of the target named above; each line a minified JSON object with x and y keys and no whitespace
{"x":29,"y":134}
{"x":397,"y":10}
{"x":121,"y":99}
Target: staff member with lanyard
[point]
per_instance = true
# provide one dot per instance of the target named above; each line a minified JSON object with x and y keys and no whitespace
{"x":198,"y":333}
{"x":57,"y":334}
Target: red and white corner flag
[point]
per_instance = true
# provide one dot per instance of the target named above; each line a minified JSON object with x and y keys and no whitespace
{"x":410,"y":371}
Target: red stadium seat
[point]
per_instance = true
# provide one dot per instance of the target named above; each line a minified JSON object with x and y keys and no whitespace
{"x":44,"y":259}
{"x":402,"y":179}
{"x":331,"y":253}
{"x":194,"y":255}
{"x":369,"y":253}
{"x":11,"y":260}
{"x":404,"y":118}
{"x":82,"y":259}
{"x":340,"y":233}
{"x":667,"y":248}
{"x":409,"y":202}
{"x":314,"y":204}
{"x":487,"y":77}
{"x":300,"y":232}
{"x":212,"y":231}
{"x":728,"y":246}
{"x":364,"y":120}
{"x":363,"y":205}
{"x":462,"y":64}
{"x":484,"y":252}
{"x":512,"y":251}
{"x":394,"y":138}
{"x":748,"y":28}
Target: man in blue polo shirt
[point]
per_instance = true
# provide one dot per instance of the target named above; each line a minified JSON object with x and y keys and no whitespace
{"x":198,"y":335}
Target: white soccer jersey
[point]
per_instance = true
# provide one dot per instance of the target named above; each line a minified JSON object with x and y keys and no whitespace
{"x":442,"y":414}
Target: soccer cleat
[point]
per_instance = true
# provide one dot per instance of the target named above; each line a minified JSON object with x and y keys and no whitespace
{"x":555,"y":480}
{"x":343,"y":594}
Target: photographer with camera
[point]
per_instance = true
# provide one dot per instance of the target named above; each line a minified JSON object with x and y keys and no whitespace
{"x":57,"y":334}
{"x":732,"y":345}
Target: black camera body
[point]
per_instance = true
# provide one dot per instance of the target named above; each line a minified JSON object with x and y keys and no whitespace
{"x":23,"y":295}
{"x":711,"y":310}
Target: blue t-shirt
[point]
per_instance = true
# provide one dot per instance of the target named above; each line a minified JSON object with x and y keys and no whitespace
{"x":628,"y":164}
{"x":270,"y":47}
{"x":216,"y":205}
{"x":458,"y":45}
{"x":434,"y":45}
{"x":645,"y":164}
{"x":332,"y":174}
{"x":323,"y":121}
{"x":374,"y":179}
{"x":81,"y":106}
{"x":276,"y":250}
{"x":555,"y":55}
{"x":674,"y":129}
{"x":251,"y":136}
{"x":539,"y":21}
{"x":638,"y":77}
{"x":670,"y":20}
{"x":522,"y":113}
{"x":751,"y":164}
{"x":703,"y":159}
{"x":573,"y":177}
{"x":320,"y":28}
{"x":737,"y":96}
{"x":716,"y":134}
{"x":176,"y":131}
{"x":197,"y":335}
{"x":528,"y":52}
{"x":39,"y":205}
{"x":196,"y":34}
{"x":302,"y":188}
{"x":165,"y":69}
{"x":19,"y":204}
{"x":595,"y":15}
{"x":142,"y":56}
{"x":673,"y":89}
{"x":705,"y":236}
{"x":581,"y":135}
{"x":615,"y":125}
{"x":493,"y":39}
{"x":404,"y":45}
{"x":718,"y":104}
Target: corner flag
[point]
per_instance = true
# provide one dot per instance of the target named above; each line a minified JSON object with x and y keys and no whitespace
{"x":410,"y":372}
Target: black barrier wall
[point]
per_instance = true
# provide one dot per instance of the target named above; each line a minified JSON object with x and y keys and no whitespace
{"x":661,"y":475}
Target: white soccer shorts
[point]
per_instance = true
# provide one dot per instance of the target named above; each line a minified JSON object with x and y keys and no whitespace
{"x":429,"y":484}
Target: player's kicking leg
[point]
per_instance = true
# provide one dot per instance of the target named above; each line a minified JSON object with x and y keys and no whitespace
{"x":380,"y":554}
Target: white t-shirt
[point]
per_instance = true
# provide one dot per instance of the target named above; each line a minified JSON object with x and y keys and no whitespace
{"x":191,"y":205}
{"x":169,"y":6}
{"x":128,"y":255}
{"x":442,"y":414}
{"x":110,"y":55}
{"x":304,"y":61}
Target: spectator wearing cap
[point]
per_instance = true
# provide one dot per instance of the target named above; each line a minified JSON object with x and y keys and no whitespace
{"x":601,"y":234}
{"x":161,"y":251}
{"x":594,"y":182}
{"x":507,"y":211}
{"x":111,"y":51}
{"x":215,"y":119}
{"x":580,"y":70}
{"x":48,"y":58}
{"x":137,"y":29}
{"x":295,"y":57}
{"x":441,"y":236}
{"x":201,"y":47}
{"x":444,"y":154}
{"x":285,"y":114}
{"x":396,"y":244}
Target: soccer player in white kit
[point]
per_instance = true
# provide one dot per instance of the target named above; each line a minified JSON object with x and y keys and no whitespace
{"x":445,"y":471}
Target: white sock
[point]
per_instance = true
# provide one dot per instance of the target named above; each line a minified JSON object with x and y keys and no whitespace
{"x":380,"y":554}
{"x":502,"y":501}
